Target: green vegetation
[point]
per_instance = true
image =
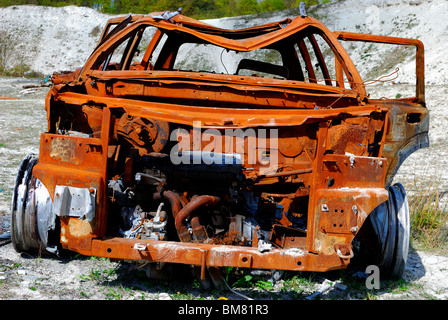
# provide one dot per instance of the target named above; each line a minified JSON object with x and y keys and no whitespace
{"x":199,"y":9}
{"x":429,"y":216}
{"x":248,"y":281}
{"x":97,"y":275}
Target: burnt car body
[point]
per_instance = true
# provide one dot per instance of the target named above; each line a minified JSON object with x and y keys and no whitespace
{"x":150,"y":157}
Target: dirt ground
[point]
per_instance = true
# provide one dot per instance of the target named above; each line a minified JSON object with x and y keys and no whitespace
{"x":75,"y":277}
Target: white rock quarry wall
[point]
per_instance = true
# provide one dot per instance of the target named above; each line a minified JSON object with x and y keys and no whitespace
{"x":426,"y":20}
{"x":53,"y":39}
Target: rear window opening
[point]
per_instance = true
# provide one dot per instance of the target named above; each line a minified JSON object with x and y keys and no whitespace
{"x":388,"y":70}
{"x":305,"y":56}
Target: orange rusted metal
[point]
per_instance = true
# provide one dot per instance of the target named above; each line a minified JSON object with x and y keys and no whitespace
{"x":279,"y":171}
{"x":8,"y":98}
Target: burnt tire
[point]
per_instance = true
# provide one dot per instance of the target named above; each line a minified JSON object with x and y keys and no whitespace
{"x":383,"y":240}
{"x":32,"y":220}
{"x":20,"y":223}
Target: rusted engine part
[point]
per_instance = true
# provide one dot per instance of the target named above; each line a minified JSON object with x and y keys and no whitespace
{"x":147,"y":135}
{"x":198,"y":230}
{"x":134,"y":222}
{"x":155,"y":226}
{"x":151,"y":225}
{"x":224,"y":226}
{"x":159,"y":172}
{"x":182,"y":212}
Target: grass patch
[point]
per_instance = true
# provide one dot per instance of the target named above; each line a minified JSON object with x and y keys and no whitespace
{"x":429,"y":215}
{"x":100,"y":275}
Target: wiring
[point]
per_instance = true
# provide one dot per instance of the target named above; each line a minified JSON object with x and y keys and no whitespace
{"x":223,"y":62}
{"x":368,"y":82}
{"x":235,"y":292}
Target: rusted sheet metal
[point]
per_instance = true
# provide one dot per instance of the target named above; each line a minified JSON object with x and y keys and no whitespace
{"x":215,"y":255}
{"x":8,"y":98}
{"x":280,"y":168}
{"x":218,"y":117}
{"x":419,"y":59}
{"x":244,"y":44}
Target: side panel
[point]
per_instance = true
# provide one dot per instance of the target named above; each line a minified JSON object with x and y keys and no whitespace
{"x":74,"y":170}
{"x":345,"y":189}
{"x":408,"y":122}
{"x":407,"y":131}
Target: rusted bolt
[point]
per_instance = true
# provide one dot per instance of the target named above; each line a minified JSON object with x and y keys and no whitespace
{"x":352,"y":161}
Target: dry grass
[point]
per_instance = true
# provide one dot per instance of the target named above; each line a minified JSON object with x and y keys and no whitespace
{"x":429,"y":215}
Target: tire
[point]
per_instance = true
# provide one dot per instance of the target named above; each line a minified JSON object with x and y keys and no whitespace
{"x":19,"y":222}
{"x":32,"y":220}
{"x":384,"y":238}
{"x":403,"y":231}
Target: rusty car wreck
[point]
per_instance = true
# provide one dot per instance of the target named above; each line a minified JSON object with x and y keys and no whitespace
{"x":279,"y":162}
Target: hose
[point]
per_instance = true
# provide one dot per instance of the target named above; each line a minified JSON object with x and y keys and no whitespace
{"x":198,"y":229}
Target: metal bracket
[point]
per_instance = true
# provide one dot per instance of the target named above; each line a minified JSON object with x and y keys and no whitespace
{"x":74,"y":202}
{"x":302,"y":9}
{"x":346,"y":248}
{"x":168,"y":15}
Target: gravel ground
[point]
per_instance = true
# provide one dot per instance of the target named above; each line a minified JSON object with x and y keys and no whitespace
{"x":73,"y":277}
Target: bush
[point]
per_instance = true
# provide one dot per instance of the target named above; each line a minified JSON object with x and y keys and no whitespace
{"x":199,"y":9}
{"x":8,"y":65}
{"x":272,"y":5}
